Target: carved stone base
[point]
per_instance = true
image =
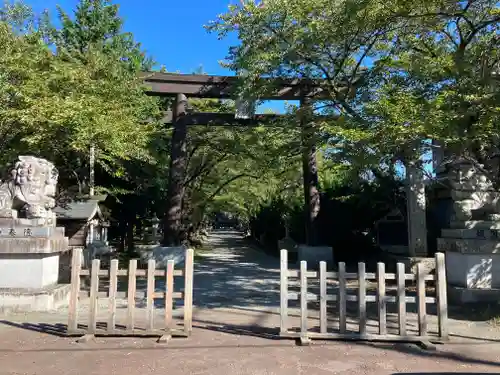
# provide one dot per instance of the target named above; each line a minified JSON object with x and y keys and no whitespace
{"x":34,"y":245}
{"x":26,"y":300}
{"x":459,"y":296}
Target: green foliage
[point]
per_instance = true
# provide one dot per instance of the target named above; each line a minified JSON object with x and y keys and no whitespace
{"x":427,"y":69}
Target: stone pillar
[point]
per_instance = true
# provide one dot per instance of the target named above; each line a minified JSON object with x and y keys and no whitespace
{"x":415,"y":203}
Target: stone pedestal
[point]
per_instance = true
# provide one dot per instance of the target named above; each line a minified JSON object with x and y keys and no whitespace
{"x":472,"y":262}
{"x":315,"y":254}
{"x":29,"y":266}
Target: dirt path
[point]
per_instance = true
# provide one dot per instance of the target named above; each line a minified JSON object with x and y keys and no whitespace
{"x":236,"y":294}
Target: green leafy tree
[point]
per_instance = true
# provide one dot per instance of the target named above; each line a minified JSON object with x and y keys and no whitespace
{"x":427,"y":69}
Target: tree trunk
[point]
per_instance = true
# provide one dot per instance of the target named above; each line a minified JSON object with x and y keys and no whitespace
{"x":130,"y":236}
{"x":178,"y":164}
{"x":310,"y":174}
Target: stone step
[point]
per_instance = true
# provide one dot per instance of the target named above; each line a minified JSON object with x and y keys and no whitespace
{"x":468,"y":246}
{"x":489,"y":234}
{"x":475,"y":224}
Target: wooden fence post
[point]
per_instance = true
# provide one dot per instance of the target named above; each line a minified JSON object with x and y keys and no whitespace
{"x":188,"y":291}
{"x":441,"y":296}
{"x":362,"y":298}
{"x":94,"y":291}
{"x":113,"y":284}
{"x":304,"y":339}
{"x":76,"y":266}
{"x":132,"y":268}
{"x":422,"y":306}
{"x":323,"y":321}
{"x":401,"y":299}
{"x":150,"y":293}
{"x":381,"y":300}
{"x":342,"y":299}
{"x":283,"y":291}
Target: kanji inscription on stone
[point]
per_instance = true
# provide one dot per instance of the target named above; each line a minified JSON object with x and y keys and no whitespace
{"x":28,"y":232}
{"x":480,"y":233}
{"x":12,"y":232}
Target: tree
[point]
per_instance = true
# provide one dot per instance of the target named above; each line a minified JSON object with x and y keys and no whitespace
{"x":427,"y":69}
{"x":116,"y":125}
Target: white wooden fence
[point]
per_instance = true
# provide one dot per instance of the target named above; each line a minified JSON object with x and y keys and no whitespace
{"x":381,"y":299}
{"x":130,"y":327}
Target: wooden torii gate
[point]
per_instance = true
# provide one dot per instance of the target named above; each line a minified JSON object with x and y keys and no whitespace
{"x":181,"y":86}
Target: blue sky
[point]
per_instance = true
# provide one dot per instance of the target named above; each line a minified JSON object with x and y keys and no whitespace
{"x":172,"y":32}
{"x":169,"y":30}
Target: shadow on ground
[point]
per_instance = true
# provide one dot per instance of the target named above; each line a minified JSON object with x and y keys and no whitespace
{"x":237,"y":276}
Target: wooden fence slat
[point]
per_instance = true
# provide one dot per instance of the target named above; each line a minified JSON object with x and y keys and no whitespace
{"x":132,"y":268}
{"x":422,"y":307}
{"x":381,"y":300}
{"x":362,"y":298}
{"x":188,"y":291}
{"x":169,"y":294}
{"x":150,"y":294}
{"x":283,"y":291}
{"x":94,"y":289}
{"x":401,"y":290}
{"x":441,"y":296}
{"x":342,"y":299}
{"x":76,"y":266}
{"x":303,"y":299}
{"x":354,"y":275}
{"x":322,"y":299}
{"x":113,"y":284}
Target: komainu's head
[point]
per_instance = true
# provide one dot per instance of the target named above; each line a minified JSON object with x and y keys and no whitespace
{"x":37,"y":177}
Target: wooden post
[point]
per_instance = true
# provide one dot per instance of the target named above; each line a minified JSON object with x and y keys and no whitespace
{"x":362,"y":298}
{"x":381,"y":301}
{"x":401,"y":299}
{"x":169,"y":294}
{"x":132,"y":268}
{"x":188,"y":291}
{"x":342,"y":299}
{"x":304,"y":339}
{"x":422,"y":307}
{"x":284,"y":291}
{"x":178,"y":165}
{"x":76,"y":265}
{"x":150,"y":293}
{"x":323,"y":322}
{"x":94,"y":291}
{"x":113,"y":283}
{"x":442,"y":301}
{"x":310,"y":172}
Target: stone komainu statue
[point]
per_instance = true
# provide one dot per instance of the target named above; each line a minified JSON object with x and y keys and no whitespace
{"x":29,"y":190}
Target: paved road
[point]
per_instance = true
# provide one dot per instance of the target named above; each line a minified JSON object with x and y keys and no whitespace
{"x":233,"y":284}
